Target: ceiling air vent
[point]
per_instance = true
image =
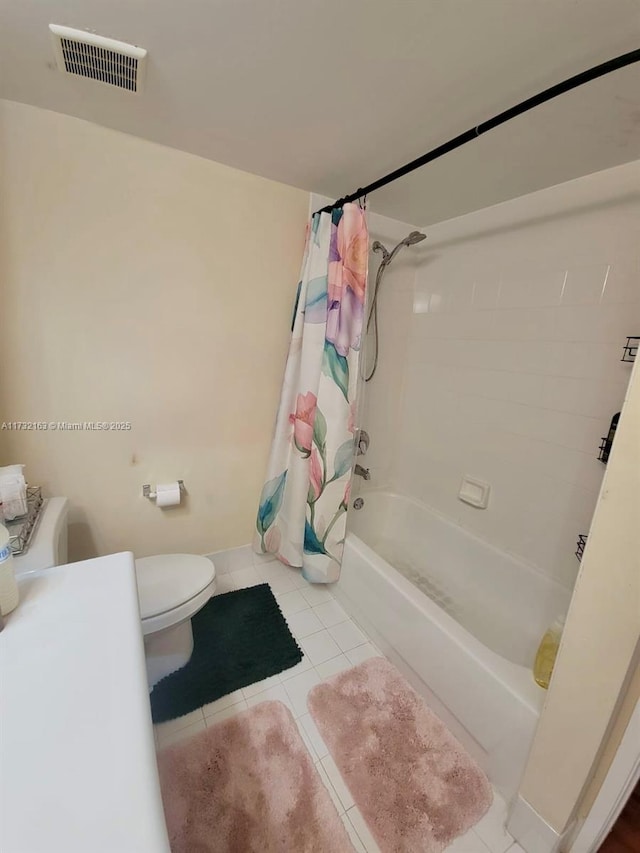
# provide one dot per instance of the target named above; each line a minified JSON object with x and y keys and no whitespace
{"x":88,"y":55}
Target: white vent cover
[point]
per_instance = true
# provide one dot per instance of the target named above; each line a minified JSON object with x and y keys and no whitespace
{"x":87,"y":55}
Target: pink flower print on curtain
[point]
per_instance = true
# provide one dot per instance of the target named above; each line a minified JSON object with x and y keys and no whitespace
{"x":302,"y":511}
{"x":303,"y":419}
{"x":347,"y":281}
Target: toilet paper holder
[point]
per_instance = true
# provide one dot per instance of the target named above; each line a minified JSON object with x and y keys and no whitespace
{"x":147,"y":493}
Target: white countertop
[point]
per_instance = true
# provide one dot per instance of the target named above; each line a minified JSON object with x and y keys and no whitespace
{"x":77,"y":761}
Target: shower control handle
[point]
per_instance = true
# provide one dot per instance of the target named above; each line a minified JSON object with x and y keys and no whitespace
{"x":362,"y":442}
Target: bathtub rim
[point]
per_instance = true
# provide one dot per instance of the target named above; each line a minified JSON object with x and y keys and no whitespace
{"x":516,"y":679}
{"x":518,"y":558}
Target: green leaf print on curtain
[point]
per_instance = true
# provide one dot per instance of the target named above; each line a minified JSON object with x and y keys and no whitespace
{"x":270,"y":502}
{"x":337,"y":367}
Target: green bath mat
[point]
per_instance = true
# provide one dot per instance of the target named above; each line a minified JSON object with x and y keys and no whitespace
{"x":238,"y":638}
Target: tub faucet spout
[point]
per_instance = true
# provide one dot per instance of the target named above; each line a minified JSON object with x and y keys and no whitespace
{"x":359,"y":471}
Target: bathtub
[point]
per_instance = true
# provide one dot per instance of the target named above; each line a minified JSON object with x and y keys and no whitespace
{"x":460,"y":618}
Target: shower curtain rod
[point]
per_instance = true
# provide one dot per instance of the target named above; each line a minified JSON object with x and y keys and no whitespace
{"x":523,"y":107}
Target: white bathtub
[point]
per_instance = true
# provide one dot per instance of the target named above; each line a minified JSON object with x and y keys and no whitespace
{"x":462,"y":619}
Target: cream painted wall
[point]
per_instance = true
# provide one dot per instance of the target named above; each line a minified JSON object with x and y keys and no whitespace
{"x":597,"y":657}
{"x":147,"y":285}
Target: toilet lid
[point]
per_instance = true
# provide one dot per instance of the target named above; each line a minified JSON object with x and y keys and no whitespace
{"x":168,"y":580}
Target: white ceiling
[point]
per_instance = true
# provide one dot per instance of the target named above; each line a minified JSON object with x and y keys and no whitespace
{"x":329,"y":95}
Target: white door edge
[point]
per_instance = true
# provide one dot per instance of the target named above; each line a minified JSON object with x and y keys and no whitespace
{"x":616,"y":789}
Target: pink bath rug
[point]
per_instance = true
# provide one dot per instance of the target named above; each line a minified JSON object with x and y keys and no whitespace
{"x":248,"y":785}
{"x":415,"y":785}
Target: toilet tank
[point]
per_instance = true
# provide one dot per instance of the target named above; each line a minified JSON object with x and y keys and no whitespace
{"x":48,"y":545}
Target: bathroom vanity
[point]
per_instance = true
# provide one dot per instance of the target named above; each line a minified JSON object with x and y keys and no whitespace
{"x":77,"y":758}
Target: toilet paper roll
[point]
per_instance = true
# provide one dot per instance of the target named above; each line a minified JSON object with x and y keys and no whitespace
{"x":168,"y":494}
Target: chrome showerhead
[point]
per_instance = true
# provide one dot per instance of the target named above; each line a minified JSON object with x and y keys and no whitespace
{"x":409,"y":240}
{"x":414,"y":237}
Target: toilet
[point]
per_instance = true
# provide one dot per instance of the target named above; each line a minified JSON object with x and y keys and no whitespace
{"x":171,"y":589}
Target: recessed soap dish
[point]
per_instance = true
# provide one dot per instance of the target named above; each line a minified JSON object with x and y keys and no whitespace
{"x":474,"y":492}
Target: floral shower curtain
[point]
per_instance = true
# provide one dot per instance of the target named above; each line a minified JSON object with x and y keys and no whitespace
{"x":302,"y":513}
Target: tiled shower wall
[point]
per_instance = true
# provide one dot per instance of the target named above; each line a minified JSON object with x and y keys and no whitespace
{"x":500,"y":359}
{"x":381,"y":398}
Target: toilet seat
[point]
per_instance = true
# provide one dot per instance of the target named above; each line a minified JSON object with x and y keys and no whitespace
{"x":172,"y":588}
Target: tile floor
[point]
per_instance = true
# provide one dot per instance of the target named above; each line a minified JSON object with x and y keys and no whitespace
{"x":331,"y":642}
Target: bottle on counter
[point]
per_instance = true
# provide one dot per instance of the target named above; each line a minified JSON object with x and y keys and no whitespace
{"x":547,"y":652}
{"x":9,"y":595}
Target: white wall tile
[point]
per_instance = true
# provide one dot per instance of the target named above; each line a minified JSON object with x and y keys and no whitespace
{"x":395,"y":311}
{"x":623,"y":283}
{"x":486,"y":291}
{"x":585,"y":284}
{"x":601,"y":323}
{"x":523,"y":324}
{"x":590,"y":360}
{"x":511,"y":369}
{"x":460,"y":294}
{"x":531,"y":288}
